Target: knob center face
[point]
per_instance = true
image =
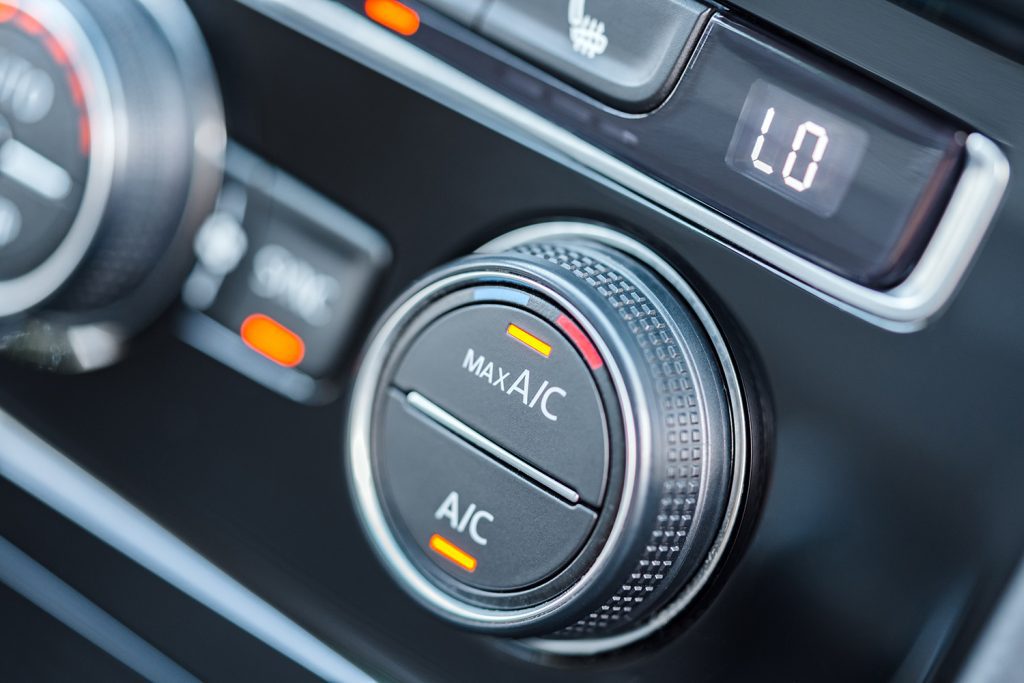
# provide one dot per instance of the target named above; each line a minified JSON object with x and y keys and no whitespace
{"x":501,"y":394}
{"x":550,"y":441}
{"x":45,"y":139}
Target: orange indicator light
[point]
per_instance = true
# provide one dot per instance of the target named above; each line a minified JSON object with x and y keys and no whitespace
{"x":448,"y":550}
{"x":521,"y":335}
{"x":7,"y":12}
{"x":272,"y":339}
{"x":393,"y":14}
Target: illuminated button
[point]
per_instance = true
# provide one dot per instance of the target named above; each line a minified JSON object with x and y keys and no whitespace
{"x":467,"y":514}
{"x":628,"y":53}
{"x":397,"y":16}
{"x":296,"y":258}
{"x":520,"y":382}
{"x":275,"y":341}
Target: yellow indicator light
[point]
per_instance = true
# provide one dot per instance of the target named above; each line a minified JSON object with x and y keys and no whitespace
{"x":521,"y":335}
{"x":448,"y":550}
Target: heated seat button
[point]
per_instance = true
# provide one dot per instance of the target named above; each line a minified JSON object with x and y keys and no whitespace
{"x":480,"y":522}
{"x":515,"y":379}
{"x":627,"y":53}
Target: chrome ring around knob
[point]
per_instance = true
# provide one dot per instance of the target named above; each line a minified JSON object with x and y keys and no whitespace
{"x":661,"y":525}
{"x":137,"y":153}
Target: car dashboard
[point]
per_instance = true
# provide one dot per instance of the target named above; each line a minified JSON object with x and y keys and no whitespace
{"x":537,"y":340}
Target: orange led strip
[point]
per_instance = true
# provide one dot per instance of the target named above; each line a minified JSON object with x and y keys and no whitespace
{"x":448,"y":550}
{"x":521,"y":335}
{"x":393,"y":14}
{"x":272,"y":339}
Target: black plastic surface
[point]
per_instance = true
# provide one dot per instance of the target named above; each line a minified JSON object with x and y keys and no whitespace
{"x":67,"y":655}
{"x":546,"y":410}
{"x":37,"y":647}
{"x":435,"y":484}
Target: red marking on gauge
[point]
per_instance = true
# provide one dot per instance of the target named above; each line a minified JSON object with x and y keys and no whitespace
{"x":28,"y":24}
{"x":7,"y":12}
{"x":84,"y":135}
{"x":10,"y":12}
{"x":582,"y":342}
{"x":56,"y":50}
{"x":75,"y":87}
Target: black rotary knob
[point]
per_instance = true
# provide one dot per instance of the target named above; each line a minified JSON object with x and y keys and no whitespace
{"x":111,"y":145}
{"x":552,"y":440}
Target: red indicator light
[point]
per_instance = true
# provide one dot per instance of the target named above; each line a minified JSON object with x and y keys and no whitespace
{"x":393,"y":14}
{"x":265,"y":335}
{"x":56,"y":51}
{"x":582,"y":342}
{"x":448,"y":550}
{"x":84,"y":135}
{"x":75,"y":86}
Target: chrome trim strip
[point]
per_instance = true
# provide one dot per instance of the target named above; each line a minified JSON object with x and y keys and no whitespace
{"x":998,"y":656}
{"x":34,"y":466}
{"x":48,"y":592}
{"x":453,"y":424}
{"x":904,"y":308}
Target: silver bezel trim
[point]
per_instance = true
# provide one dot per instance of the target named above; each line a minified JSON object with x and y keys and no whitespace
{"x":737,"y":411}
{"x":209,"y":131}
{"x":904,"y":308}
{"x":637,"y":442}
{"x":87,"y":60}
{"x":371,"y":512}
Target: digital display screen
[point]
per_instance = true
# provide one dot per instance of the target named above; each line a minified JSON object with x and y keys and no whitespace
{"x":799,"y":150}
{"x":829,"y":165}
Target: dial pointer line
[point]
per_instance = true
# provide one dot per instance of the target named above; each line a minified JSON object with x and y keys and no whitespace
{"x":31,"y":169}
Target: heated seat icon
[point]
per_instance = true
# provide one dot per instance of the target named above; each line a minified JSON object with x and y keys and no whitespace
{"x":586,"y":32}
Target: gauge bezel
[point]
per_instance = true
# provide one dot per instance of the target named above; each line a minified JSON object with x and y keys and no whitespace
{"x":88,"y":57}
